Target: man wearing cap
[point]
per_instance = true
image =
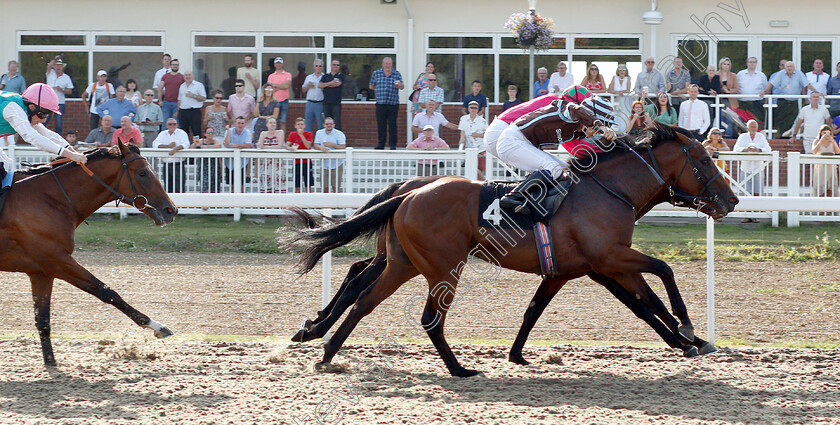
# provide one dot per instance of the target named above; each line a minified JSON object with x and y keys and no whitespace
{"x":282,"y":81}
{"x":170,"y":85}
{"x":387,"y":82}
{"x":63,"y":85}
{"x":430,"y":117}
{"x":428,"y":141}
{"x":472,"y":127}
{"x":98,"y":93}
{"x":314,"y":113}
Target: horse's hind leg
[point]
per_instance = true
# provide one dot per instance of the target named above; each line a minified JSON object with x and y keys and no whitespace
{"x":547,"y":290}
{"x":355,"y":269}
{"x":394,"y":275}
{"x":41,"y":293}
{"x":69,"y":270}
{"x":351,"y":293}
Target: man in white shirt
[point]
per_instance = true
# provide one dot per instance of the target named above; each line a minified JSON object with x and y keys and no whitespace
{"x":752,"y":81}
{"x":250,"y":75}
{"x":191,"y":97}
{"x":63,"y":85}
{"x":560,"y":80}
{"x":472,"y":127}
{"x":818,"y":78}
{"x":811,"y":118}
{"x":694,"y":114}
{"x":430,"y":117}
{"x":175,"y":139}
{"x":314,"y":112}
{"x":327,"y":139}
{"x":161,"y":72}
{"x":97,"y":93}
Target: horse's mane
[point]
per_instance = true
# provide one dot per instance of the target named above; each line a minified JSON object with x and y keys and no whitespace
{"x":92,"y":155}
{"x":659,"y":134}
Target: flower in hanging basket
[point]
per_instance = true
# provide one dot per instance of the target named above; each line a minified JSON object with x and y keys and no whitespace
{"x":531,"y":30}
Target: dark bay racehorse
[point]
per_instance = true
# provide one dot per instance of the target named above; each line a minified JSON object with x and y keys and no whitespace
{"x":592,"y":234}
{"x":42,"y":212}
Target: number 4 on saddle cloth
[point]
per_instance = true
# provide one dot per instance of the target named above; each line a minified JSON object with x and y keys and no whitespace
{"x":542,"y":200}
{"x":5,"y":184}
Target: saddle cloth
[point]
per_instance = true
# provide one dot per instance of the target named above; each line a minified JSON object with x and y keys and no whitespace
{"x":5,"y":187}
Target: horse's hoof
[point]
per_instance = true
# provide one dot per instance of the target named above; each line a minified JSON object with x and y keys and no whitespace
{"x":708,"y":348}
{"x":298,"y":337}
{"x":690,"y":352}
{"x":163,"y":332}
{"x":687,"y":332}
{"x":518,"y":359}
{"x":465,"y":373}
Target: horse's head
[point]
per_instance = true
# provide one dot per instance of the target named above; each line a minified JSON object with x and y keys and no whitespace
{"x":693,"y":179}
{"x":138,"y":185}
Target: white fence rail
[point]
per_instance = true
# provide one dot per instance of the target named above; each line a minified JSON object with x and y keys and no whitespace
{"x":264,"y":174}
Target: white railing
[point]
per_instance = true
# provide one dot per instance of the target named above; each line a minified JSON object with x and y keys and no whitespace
{"x":255,"y":176}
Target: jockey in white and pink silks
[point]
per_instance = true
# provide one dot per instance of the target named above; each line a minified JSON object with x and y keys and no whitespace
{"x":571,"y":121}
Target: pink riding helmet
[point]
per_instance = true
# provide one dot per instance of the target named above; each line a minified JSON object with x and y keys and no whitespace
{"x":42,"y":96}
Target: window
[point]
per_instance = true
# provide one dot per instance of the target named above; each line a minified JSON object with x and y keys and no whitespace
{"x":128,"y":55}
{"x":736,"y":51}
{"x":221,"y":57}
{"x":812,"y":50}
{"x":455,"y":74}
{"x":772,"y":52}
{"x":695,"y":54}
{"x":461,"y":42}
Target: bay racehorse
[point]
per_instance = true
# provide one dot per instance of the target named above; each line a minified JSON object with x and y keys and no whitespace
{"x":432,"y":229}
{"x":43,"y":209}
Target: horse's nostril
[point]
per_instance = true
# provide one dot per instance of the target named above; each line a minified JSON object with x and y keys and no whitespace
{"x":733,"y":200}
{"x":171,"y":210}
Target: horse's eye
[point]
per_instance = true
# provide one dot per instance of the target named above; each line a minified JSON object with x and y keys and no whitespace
{"x":142,"y":173}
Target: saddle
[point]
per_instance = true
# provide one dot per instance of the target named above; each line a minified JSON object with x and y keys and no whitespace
{"x":492,"y":215}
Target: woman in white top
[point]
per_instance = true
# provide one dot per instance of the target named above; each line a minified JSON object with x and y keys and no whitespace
{"x":824,"y":176}
{"x":620,"y":85}
{"x":751,"y":172}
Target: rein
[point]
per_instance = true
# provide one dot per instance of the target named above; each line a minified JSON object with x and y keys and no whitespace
{"x":137,"y":199}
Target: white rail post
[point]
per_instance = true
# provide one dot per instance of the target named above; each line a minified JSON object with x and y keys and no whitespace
{"x":326,"y":275}
{"x":710,"y":278}
{"x":471,"y":166}
{"x":237,"y":179}
{"x":774,"y":190}
{"x":793,"y":186}
{"x":348,"y":186}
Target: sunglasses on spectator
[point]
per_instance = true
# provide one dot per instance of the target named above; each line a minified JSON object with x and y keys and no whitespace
{"x":170,"y":123}
{"x":148,"y":94}
{"x":648,"y":61}
{"x":473,"y":107}
{"x":329,"y":123}
{"x":715,"y":133}
{"x":240,"y":85}
{"x":432,"y":79}
{"x":218,"y":98}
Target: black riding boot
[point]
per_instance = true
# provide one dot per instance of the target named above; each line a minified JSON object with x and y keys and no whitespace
{"x":534,"y":189}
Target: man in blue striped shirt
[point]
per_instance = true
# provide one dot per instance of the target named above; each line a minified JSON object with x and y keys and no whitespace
{"x":387,"y":82}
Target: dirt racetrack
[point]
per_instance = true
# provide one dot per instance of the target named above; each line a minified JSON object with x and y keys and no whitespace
{"x":121,"y":375}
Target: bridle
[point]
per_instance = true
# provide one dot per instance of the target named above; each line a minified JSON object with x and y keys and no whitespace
{"x":679,"y":197}
{"x":139,"y":201}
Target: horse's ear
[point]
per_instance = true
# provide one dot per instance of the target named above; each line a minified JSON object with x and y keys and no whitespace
{"x":123,"y":148}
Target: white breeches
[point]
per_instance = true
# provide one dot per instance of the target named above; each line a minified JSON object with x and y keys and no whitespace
{"x":515,"y":150}
{"x":491,"y":135}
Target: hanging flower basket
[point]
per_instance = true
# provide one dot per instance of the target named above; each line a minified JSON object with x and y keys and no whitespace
{"x":531,"y":30}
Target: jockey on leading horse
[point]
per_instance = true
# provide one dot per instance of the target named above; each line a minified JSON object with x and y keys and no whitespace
{"x":25,"y":114}
{"x":575,"y":121}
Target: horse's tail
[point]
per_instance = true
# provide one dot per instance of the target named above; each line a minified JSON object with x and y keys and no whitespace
{"x":333,"y":235}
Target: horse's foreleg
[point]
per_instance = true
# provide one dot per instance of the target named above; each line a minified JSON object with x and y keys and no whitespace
{"x":545,"y":293}
{"x":632,"y":290}
{"x":72,"y":272}
{"x":628,"y":259}
{"x":341,"y":301}
{"x":391,"y":278}
{"x":41,"y":293}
